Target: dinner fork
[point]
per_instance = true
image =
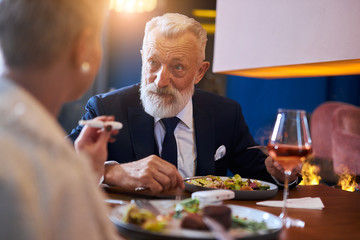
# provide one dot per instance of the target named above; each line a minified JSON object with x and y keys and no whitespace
{"x":146,"y":204}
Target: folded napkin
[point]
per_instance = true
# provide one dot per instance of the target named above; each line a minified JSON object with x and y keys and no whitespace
{"x":305,"y":203}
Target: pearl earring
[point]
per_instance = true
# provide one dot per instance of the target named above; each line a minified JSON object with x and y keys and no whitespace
{"x":85,"y":67}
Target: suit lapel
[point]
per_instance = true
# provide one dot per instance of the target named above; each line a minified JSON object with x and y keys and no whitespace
{"x":142,"y":132}
{"x":204,"y":136}
{"x":141,"y":126}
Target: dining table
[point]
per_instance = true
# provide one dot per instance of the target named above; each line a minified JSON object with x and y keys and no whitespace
{"x":339,"y":219}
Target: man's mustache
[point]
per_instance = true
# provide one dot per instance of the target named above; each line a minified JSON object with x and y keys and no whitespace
{"x":168,"y":90}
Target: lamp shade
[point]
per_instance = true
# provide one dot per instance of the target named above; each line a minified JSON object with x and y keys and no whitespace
{"x":287,"y":38}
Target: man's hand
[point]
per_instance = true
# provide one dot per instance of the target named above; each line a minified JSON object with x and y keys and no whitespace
{"x":93,"y":143}
{"x":152,"y":172}
{"x":277,"y":171}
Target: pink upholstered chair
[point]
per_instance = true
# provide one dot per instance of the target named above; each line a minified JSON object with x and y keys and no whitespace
{"x":346,"y":139}
{"x":335,"y":131}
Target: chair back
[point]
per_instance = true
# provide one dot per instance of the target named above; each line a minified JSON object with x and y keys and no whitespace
{"x":346,"y":139}
{"x":335,"y":132}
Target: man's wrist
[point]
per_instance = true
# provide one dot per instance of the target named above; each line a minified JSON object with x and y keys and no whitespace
{"x":282,"y":185}
{"x":109,"y":174}
{"x":107,"y":163}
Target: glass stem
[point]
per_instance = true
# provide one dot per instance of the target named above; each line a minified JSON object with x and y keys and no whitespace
{"x":283,"y":214}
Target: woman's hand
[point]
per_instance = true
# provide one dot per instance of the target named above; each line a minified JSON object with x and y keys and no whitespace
{"x":93,"y":142}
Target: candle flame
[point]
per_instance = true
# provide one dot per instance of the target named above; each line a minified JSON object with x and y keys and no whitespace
{"x":347,"y":179}
{"x":310,"y":174}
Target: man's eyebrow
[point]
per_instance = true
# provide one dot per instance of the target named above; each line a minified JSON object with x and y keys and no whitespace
{"x":182,"y":58}
{"x":151,"y":55}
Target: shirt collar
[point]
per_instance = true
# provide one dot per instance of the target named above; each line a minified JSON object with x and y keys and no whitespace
{"x":184,"y":115}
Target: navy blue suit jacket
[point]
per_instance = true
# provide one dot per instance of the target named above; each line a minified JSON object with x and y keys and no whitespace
{"x":217,"y":120}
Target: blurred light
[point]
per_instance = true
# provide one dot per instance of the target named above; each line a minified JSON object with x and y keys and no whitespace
{"x":209,"y":24}
{"x":132,"y":6}
{"x":209,"y":27}
{"x":205,"y":13}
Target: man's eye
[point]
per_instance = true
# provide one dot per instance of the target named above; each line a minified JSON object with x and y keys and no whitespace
{"x":152,"y":62}
{"x":179,"y":67}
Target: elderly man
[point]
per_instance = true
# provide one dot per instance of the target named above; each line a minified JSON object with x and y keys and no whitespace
{"x":211,"y":135}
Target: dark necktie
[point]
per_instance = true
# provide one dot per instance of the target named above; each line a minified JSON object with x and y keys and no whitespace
{"x":169,"y":148}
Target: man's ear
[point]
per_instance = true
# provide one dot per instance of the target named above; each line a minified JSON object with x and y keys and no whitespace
{"x":201,"y":71}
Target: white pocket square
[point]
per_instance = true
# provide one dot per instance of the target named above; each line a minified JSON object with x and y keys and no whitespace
{"x":220,"y":153}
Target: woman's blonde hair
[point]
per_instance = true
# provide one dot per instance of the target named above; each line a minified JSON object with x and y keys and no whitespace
{"x":35,"y":32}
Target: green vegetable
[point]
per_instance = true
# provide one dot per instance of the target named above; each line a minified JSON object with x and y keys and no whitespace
{"x":248,"y":224}
{"x":232,"y":183}
{"x":237,"y":177}
{"x":264,"y":187}
{"x":188,"y":205}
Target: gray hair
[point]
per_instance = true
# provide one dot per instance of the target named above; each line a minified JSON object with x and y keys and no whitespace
{"x":36,"y":32}
{"x":172,"y":25}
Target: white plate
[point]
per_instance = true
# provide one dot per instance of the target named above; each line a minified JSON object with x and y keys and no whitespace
{"x":239,"y":194}
{"x":131,"y":231}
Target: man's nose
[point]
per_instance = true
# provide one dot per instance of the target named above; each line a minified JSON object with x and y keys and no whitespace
{"x":162,"y":77}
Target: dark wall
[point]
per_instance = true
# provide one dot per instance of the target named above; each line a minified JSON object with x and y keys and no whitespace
{"x":261,"y":98}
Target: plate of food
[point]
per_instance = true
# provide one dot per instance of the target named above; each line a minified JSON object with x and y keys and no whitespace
{"x":244,"y":188}
{"x":183,"y":220}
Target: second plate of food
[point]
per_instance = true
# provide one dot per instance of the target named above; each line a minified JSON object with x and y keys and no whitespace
{"x":248,"y":189}
{"x":247,"y":223}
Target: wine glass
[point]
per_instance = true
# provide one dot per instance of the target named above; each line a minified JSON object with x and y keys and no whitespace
{"x":289,"y":145}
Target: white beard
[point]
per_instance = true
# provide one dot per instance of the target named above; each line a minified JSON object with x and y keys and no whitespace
{"x":163,"y":106}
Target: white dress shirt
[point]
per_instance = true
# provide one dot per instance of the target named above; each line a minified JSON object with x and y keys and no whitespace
{"x":185,"y":140}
